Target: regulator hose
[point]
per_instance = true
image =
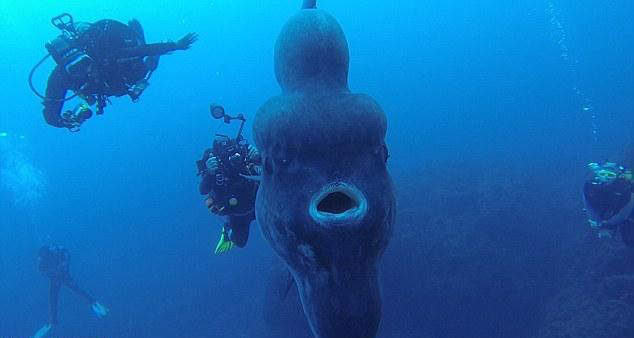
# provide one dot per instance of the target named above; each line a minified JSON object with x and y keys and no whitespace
{"x":37,"y":65}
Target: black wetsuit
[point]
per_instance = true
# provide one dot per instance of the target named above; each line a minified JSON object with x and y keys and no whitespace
{"x":54,"y":263}
{"x":118,"y":58}
{"x":626,"y":228}
{"x":227,"y":183}
{"x":611,"y":203}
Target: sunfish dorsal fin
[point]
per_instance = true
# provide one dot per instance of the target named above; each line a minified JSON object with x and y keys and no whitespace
{"x":308,"y":4}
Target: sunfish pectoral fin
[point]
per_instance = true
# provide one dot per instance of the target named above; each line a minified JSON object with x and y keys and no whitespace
{"x":289,"y":284}
{"x":255,"y":178}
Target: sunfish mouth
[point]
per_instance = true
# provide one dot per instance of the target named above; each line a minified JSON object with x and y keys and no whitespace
{"x":338,"y":204}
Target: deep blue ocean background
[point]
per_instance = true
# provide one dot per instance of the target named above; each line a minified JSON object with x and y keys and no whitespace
{"x":488,"y":144}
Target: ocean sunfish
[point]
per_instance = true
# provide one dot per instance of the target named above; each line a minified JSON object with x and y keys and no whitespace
{"x":326,"y":202}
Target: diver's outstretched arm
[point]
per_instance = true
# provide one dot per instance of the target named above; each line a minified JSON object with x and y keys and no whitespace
{"x":309,"y":4}
{"x":149,"y":49}
{"x":160,"y":48}
{"x":56,"y":89}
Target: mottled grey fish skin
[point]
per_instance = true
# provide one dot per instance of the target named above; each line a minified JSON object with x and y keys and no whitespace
{"x":317,"y":137}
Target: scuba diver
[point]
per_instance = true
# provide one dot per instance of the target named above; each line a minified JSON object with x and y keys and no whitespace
{"x":608,"y":194}
{"x":54,"y":261}
{"x":229,"y":173}
{"x":96,"y":61}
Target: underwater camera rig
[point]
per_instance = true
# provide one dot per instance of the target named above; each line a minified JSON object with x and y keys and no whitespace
{"x":227,"y":149}
{"x":218,"y":112}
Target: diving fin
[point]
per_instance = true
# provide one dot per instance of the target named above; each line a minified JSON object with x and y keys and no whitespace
{"x":43,"y":331}
{"x":224,"y":244}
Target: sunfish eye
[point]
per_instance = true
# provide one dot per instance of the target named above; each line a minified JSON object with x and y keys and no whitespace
{"x":386,"y":154}
{"x":382,"y":151}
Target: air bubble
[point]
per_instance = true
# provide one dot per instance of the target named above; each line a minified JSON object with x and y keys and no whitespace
{"x":553,"y":15}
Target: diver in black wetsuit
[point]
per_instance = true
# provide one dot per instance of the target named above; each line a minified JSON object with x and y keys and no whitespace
{"x":227,"y":171}
{"x":99,"y":60}
{"x":608,"y":194}
{"x":54,"y":261}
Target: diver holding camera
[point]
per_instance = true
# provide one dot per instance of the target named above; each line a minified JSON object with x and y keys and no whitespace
{"x":229,"y":171}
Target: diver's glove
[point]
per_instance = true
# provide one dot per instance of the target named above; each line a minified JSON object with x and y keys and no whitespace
{"x":253,"y":153}
{"x":43,"y":331}
{"x":186,"y":41}
{"x":224,"y":244}
{"x":99,"y":310}
{"x":212,"y":165}
{"x":212,"y":206}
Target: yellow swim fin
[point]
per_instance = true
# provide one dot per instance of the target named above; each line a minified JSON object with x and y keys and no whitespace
{"x":224,"y":244}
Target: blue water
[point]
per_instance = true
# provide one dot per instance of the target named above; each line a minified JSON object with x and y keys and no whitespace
{"x":493,"y":107}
